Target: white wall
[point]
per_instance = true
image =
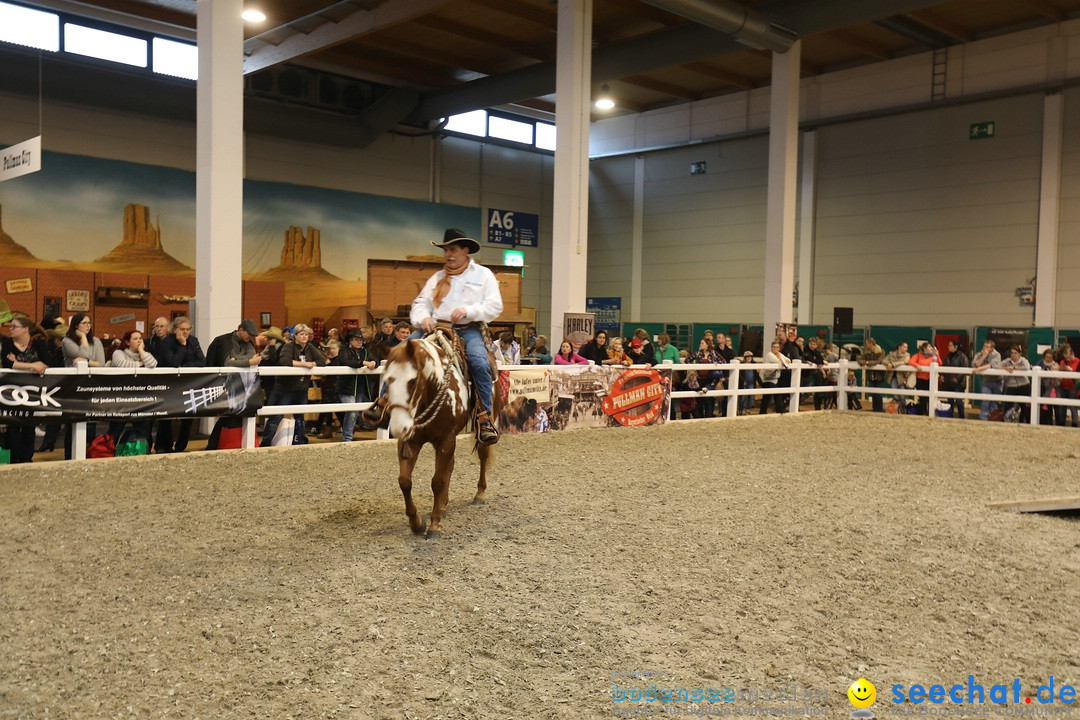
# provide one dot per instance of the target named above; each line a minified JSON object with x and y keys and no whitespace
{"x":1068,"y":279}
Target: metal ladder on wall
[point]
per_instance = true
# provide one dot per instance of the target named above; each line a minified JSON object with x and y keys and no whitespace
{"x":939,"y":73}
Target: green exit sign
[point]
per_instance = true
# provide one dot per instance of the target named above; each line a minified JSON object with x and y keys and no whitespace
{"x":697,"y":168}
{"x":978,"y":131}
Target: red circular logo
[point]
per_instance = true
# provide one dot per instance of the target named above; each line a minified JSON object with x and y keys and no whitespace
{"x":636,"y":397}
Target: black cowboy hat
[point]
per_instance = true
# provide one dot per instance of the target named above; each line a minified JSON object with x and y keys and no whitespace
{"x":453,"y":236}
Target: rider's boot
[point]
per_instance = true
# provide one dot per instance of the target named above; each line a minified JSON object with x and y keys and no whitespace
{"x":376,"y":415}
{"x":486,"y":434}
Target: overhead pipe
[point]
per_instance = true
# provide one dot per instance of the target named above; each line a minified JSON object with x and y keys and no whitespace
{"x":748,"y":27}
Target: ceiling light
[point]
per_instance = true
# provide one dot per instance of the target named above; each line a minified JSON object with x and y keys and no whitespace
{"x":604,"y":101}
{"x":253,"y":16}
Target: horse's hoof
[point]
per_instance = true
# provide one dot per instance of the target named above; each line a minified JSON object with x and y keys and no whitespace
{"x":478,"y":500}
{"x":419,"y":529}
{"x":433,"y":534}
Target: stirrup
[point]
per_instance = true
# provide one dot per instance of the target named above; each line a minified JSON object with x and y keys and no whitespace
{"x":486,"y":434}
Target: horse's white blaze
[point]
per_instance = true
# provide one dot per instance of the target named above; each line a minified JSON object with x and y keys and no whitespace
{"x":397,"y":394}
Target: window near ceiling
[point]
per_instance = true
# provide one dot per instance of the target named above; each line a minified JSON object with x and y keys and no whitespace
{"x":30,"y":28}
{"x":505,"y":128}
{"x":470,"y":123}
{"x":104,"y":45}
{"x":545,"y":136}
{"x":512,"y":130}
{"x":176,"y":58}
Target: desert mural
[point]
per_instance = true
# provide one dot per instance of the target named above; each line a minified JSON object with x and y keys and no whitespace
{"x":84,"y":213}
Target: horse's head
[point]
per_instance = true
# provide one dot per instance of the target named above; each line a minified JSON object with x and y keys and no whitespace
{"x":419,"y":381}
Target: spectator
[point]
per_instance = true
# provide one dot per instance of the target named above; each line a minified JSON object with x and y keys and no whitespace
{"x":830,"y":376}
{"x":269,"y":354}
{"x":596,"y":349}
{"x":748,"y":380}
{"x":988,"y":359}
{"x":402,"y":331}
{"x":710,"y":379}
{"x":293,"y":389}
{"x":538,"y":354}
{"x":55,"y":332}
{"x":616,"y":355}
{"x":640,"y":352}
{"x":873,"y":354}
{"x":235,"y":349}
{"x":1067,"y":360}
{"x":132,"y":354}
{"x":1049,"y":387}
{"x":688,"y":381}
{"x":23,"y":351}
{"x":506,"y":348}
{"x":770,"y":378}
{"x":80,"y":345}
{"x":181,"y":349}
{"x":724,"y":348}
{"x":567,"y":356}
{"x":356,"y":388}
{"x":647,"y":347}
{"x":899,"y":356}
{"x":955,"y":382}
{"x":377,"y":344}
{"x":160,"y":331}
{"x":666,"y":351}
{"x":324,"y":425}
{"x":1017,"y":384}
{"x":814,"y":375}
{"x":922,"y":360}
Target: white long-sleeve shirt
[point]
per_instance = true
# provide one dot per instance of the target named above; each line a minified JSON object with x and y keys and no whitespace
{"x":476,"y":290}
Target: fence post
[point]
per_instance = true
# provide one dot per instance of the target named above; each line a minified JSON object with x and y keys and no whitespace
{"x":796,"y":384}
{"x":1036,"y":393}
{"x":247,"y":436}
{"x":841,"y":385}
{"x":932,"y":401}
{"x":733,"y":388}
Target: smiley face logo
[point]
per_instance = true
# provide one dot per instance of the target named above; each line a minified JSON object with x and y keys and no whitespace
{"x":862,"y":693}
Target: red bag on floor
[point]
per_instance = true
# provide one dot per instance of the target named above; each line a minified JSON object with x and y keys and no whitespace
{"x":231,"y":438}
{"x":103,"y":446}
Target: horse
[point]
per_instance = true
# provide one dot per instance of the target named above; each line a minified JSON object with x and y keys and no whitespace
{"x":427,"y":394}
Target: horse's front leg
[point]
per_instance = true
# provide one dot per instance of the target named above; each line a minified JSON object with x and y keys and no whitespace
{"x":483,"y":452}
{"x":440,"y":481}
{"x":407,"y":454}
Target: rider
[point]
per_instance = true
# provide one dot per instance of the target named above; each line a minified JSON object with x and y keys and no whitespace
{"x":466,"y":294}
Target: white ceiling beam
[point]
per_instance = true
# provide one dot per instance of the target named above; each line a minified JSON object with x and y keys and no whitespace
{"x":260,"y":55}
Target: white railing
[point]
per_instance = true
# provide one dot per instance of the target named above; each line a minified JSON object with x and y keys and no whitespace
{"x":730,"y":393}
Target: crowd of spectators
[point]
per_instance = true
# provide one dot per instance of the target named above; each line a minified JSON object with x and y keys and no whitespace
{"x":31,"y":347}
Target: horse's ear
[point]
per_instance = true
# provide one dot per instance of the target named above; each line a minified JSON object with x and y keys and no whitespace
{"x":410,"y":349}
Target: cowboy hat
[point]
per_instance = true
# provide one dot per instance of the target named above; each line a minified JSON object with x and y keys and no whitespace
{"x":274,"y":333}
{"x":453,"y":236}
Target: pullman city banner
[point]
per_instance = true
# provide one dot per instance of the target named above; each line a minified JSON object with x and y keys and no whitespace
{"x":80,"y":398}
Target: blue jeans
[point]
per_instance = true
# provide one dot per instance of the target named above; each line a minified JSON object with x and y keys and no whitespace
{"x":348,"y":422}
{"x":990,"y":387}
{"x":476,"y":353}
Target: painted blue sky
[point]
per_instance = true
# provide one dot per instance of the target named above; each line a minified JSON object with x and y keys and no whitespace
{"x":73,"y":210}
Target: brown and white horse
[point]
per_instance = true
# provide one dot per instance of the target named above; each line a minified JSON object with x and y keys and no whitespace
{"x":427,"y":397}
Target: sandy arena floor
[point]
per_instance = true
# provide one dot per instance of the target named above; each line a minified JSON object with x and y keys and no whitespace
{"x":760,"y":553}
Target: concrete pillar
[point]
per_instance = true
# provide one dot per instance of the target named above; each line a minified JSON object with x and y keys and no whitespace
{"x":219,"y":174}
{"x":783,"y":166}
{"x":569,"y":246}
{"x":637,"y":240}
{"x":806,"y":227}
{"x":1046,"y":265}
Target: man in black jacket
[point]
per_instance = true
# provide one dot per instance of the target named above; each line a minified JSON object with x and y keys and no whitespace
{"x":356,"y":388}
{"x":181,"y":349}
{"x":235,"y":349}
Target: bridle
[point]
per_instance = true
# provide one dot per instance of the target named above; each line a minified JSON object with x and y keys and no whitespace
{"x":442,"y":394}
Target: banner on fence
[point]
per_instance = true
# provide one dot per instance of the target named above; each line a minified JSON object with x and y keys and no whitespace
{"x":583,"y":396}
{"x":80,"y":398}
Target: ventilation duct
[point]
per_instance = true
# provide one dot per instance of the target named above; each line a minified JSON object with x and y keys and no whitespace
{"x":746,"y":26}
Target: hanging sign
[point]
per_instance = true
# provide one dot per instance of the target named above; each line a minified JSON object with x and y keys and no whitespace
{"x":21,"y":159}
{"x":509,"y":227}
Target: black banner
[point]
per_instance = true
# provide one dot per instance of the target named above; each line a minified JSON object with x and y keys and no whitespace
{"x":81,"y":398}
